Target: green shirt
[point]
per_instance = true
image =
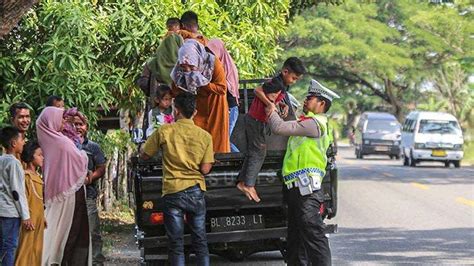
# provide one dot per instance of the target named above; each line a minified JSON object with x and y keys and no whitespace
{"x":185,"y":147}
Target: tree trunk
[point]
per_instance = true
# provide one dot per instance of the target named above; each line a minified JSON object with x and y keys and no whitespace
{"x":393,"y":99}
{"x":11,"y":12}
{"x":109,"y":195}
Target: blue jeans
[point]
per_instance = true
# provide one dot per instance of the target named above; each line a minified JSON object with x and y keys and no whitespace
{"x":10,"y":229}
{"x":192,"y":203}
{"x":233,"y":115}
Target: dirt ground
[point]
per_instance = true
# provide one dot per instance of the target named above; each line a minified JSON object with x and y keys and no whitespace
{"x":118,"y":238}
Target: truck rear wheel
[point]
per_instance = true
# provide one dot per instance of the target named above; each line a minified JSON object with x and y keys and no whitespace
{"x":457,"y":164}
{"x":405,"y":161}
{"x":235,"y":255}
{"x":411,"y":160}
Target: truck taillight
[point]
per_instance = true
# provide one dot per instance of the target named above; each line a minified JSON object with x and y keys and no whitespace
{"x":157,"y":218}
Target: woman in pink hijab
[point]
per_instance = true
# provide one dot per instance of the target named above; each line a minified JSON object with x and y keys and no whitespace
{"x":232,"y":78}
{"x":66,"y":239}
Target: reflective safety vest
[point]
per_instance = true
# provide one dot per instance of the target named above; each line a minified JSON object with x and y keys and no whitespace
{"x":307,"y":155}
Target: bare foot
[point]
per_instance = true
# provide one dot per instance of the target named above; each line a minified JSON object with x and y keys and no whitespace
{"x":242,"y":187}
{"x":253,"y":193}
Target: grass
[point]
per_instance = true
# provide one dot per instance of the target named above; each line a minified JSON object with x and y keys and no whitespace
{"x":469,"y":153}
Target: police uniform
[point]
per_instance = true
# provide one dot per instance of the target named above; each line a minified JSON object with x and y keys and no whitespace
{"x":303,"y":170}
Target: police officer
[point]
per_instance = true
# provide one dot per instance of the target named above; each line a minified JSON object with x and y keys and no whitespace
{"x":303,"y":170}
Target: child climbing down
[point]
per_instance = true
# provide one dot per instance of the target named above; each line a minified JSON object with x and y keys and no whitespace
{"x":162,"y":112}
{"x":256,"y":132}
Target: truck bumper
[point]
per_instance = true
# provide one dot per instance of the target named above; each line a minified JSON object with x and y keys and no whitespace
{"x":221,"y":237}
{"x":229,"y":237}
{"x":380,"y":149}
{"x":427,"y":155}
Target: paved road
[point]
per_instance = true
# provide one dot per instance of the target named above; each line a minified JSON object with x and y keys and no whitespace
{"x":391,"y":214}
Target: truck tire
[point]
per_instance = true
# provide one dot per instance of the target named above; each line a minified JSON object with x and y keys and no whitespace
{"x":457,"y":164}
{"x":412,"y":161}
{"x":405,"y":161}
{"x":235,"y":255}
{"x":284,"y":254}
{"x":446,"y":164}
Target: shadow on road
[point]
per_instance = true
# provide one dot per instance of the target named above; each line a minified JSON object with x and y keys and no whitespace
{"x":392,"y":245}
{"x":348,"y":158}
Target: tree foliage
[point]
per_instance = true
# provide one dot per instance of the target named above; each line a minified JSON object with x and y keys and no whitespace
{"x":386,"y":49}
{"x":90,"y":52}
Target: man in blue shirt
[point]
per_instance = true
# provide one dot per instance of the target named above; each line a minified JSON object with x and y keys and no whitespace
{"x":96,"y":168}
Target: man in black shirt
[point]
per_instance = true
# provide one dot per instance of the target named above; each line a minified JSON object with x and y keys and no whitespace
{"x":96,"y":171}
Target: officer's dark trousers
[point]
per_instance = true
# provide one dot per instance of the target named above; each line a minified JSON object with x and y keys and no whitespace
{"x":307,"y":243}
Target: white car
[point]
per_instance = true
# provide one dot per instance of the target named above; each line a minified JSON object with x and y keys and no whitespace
{"x":431,"y":136}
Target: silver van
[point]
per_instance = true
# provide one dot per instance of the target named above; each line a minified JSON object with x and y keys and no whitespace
{"x":378,"y":133}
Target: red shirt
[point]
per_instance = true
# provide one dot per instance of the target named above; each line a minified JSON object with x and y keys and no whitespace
{"x":257,"y":108}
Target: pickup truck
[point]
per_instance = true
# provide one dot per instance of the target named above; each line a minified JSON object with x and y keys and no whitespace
{"x":236,"y":227}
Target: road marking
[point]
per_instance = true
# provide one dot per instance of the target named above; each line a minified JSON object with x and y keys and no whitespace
{"x":388,"y":174}
{"x":420,"y":186}
{"x":465,"y":201}
{"x":365,"y":167}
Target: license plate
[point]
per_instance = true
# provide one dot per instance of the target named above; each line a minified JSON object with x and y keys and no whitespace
{"x":438,"y":153}
{"x":381,"y":148}
{"x":234,"y":223}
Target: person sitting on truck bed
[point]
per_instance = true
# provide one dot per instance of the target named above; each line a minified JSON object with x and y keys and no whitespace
{"x":173,"y":25}
{"x":190,"y":27}
{"x":304,"y":167}
{"x":200,"y":72}
{"x":256,"y":132}
{"x":162,"y":112}
{"x":187,"y":156}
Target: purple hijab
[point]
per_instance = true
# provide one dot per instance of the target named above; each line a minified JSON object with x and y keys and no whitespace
{"x":65,"y":166}
{"x":193,"y":53}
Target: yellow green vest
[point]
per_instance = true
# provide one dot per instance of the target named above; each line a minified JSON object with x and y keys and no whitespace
{"x":306,"y":155}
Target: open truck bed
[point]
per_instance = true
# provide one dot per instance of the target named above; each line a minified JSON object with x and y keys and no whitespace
{"x":236,"y":227}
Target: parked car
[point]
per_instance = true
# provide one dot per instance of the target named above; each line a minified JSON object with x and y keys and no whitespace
{"x":377,"y":133}
{"x":432,"y":136}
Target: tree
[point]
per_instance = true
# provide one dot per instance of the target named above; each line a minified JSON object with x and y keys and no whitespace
{"x":90,"y":52}
{"x":452,"y":83}
{"x":387,"y":48}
